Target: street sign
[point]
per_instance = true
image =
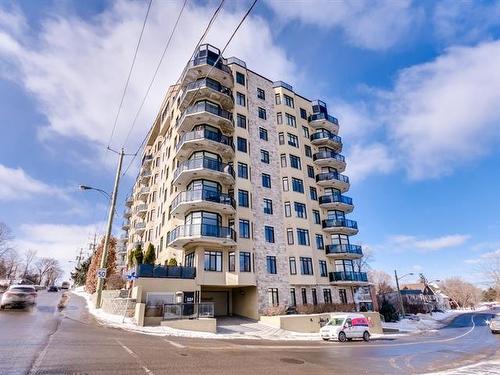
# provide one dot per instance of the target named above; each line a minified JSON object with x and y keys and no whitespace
{"x":132,"y":276}
{"x":101,"y":273}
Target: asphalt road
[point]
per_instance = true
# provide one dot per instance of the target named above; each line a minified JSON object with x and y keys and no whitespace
{"x":45,"y":341}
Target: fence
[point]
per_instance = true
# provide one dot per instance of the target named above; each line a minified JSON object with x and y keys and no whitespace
{"x":173,"y":311}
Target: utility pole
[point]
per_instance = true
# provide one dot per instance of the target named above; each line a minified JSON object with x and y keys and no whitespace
{"x":104,"y":258}
{"x":399,"y":293}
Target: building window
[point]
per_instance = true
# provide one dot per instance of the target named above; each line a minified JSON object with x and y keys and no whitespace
{"x":261,"y":94}
{"x":271,"y":264}
{"x":231,"y":261}
{"x":289,"y":236}
{"x":320,"y":245}
{"x":241,"y":144}
{"x":300,"y":210}
{"x":243,"y":200}
{"x":283,"y":160}
{"x":262,"y":113}
{"x":279,"y":118}
{"x":303,"y":237}
{"x":241,"y":121}
{"x":245,"y":261}
{"x":306,"y":267}
{"x":290,"y":120}
{"x":314,"y":296}
{"x":240,"y":99}
{"x":297,"y":185}
{"x":316,"y":216}
{"x":293,"y":140}
{"x":343,"y":296}
{"x":281,"y":138}
{"x":305,"y":131}
{"x":213,"y":261}
{"x":266,"y":180}
{"x":293,"y":266}
{"x":288,"y":100}
{"x":286,"y":187}
{"x":277,"y":98}
{"x":308,"y":151}
{"x":268,"y":206}
{"x":313,"y":193}
{"x":295,"y":162}
{"x":310,"y":171}
{"x":322,"y":268}
{"x":288,"y":209}
{"x":189,"y":260}
{"x":240,"y":78}
{"x":269,"y":234}
{"x":303,"y":113}
{"x":244,"y":228}
{"x":272,"y":294}
{"x":264,"y":156}
{"x":263,"y":134}
{"x":327,"y":295}
{"x":293,"y":299}
{"x":304,"y":296}
{"x":242,"y":170}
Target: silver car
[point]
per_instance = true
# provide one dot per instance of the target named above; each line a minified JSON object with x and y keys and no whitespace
{"x":495,"y":324}
{"x":19,"y":295}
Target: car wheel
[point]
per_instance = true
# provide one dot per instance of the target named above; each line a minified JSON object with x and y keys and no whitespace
{"x":342,"y":337}
{"x":325,"y":339}
{"x":366,"y":336}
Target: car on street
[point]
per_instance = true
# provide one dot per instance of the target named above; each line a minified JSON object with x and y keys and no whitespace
{"x":19,"y":295}
{"x":495,"y":324}
{"x":344,"y":327}
{"x":52,"y":288}
{"x":65,"y":285}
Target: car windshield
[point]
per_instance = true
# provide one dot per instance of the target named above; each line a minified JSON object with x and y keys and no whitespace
{"x":22,"y":289}
{"x":336,"y":322}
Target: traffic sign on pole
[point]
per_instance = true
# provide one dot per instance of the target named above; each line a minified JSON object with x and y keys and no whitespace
{"x":101,"y":273}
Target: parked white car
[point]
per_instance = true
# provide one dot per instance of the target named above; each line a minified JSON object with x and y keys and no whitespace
{"x":343,"y":327}
{"x":495,"y":324}
{"x":19,"y":295}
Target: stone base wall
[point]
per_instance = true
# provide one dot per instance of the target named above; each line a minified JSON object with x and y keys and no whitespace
{"x":117,"y":306}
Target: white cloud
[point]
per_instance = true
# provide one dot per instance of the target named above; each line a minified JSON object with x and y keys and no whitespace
{"x":491,"y":255}
{"x":375,"y":25}
{"x":427,"y":244}
{"x":16,"y":184}
{"x":364,"y":160}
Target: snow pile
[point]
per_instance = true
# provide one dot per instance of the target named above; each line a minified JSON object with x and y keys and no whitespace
{"x":423,"y":322}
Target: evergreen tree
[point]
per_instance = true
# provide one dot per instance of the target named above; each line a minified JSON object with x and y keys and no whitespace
{"x":150,"y":256}
{"x":91,"y":279}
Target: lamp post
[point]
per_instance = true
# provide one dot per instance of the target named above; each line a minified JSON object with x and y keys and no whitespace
{"x":399,"y":290}
{"x":86,"y":187}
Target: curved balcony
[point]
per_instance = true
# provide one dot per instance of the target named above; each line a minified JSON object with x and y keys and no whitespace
{"x":334,"y":180}
{"x":205,"y":113}
{"x":341,"y":226}
{"x":206,"y":89}
{"x":329,"y":159}
{"x":207,"y":63}
{"x":203,"y":168}
{"x":129,"y":201}
{"x":143,"y":193}
{"x":127,"y":213}
{"x":336,"y":202}
{"x":348,"y":278}
{"x":146,"y":160}
{"x":140,"y":228}
{"x":126,"y":225}
{"x":325,"y":138}
{"x":141,"y":210}
{"x":202,"y":199}
{"x":344,"y":251}
{"x":205,"y":139}
{"x":324,"y":121}
{"x":145,"y":176}
{"x":201,"y":234}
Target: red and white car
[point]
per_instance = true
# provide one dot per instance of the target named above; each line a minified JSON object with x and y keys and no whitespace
{"x":19,"y":295}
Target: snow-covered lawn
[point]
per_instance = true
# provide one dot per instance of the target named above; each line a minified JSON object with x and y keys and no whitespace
{"x":424,"y":322}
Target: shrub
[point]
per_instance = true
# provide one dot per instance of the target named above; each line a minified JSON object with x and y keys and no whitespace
{"x":388,"y":311}
{"x":138,"y":255}
{"x":150,"y":256}
{"x":325,"y":308}
{"x":275,"y":310}
{"x":114,"y":282}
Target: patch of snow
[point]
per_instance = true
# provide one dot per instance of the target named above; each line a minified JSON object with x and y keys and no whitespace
{"x":423,"y":322}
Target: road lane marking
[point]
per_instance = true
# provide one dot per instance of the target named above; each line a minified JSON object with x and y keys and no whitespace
{"x":136,"y":357}
{"x":176,"y":344}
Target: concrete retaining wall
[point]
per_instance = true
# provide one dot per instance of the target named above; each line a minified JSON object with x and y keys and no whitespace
{"x":201,"y":325}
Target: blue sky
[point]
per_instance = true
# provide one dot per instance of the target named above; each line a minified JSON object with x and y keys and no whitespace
{"x":416,"y":86}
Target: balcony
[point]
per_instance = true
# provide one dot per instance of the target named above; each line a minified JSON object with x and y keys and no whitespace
{"x":325,"y":138}
{"x":207,"y":140}
{"x":336,"y":202}
{"x":324,"y":121}
{"x":146,"y":161}
{"x":329,"y":159}
{"x":353,"y":278}
{"x":195,"y":234}
{"x":129,"y":201}
{"x":141,"y":210}
{"x":145,"y":176}
{"x":203,"y":168}
{"x":127,"y":213}
{"x":140,"y":228}
{"x":206,"y":89}
{"x":208,"y":113}
{"x":334,"y":180}
{"x":172,"y":272}
{"x":126,"y":225}
{"x":143,"y":193}
{"x":207,"y":63}
{"x":202,"y":200}
{"x":340,"y":226}
{"x":344,"y":251}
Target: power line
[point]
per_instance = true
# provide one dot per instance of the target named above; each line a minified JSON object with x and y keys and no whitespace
{"x":129,"y":74}
{"x":155,"y":73}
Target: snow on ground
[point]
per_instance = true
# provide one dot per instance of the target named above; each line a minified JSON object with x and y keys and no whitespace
{"x":425,"y":322}
{"x":490,"y":367}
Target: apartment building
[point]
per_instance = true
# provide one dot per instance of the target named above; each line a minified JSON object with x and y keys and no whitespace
{"x":242,"y":179}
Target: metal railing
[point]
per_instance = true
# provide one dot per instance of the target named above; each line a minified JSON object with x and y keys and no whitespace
{"x":327,"y":176}
{"x":335,"y":223}
{"x":172,"y":311}
{"x":348,"y":276}
{"x":205,"y":162}
{"x":207,"y":83}
{"x":197,"y":230}
{"x":202,"y":195}
{"x":171,"y":272}
{"x":323,"y":116}
{"x":335,"y":198}
{"x":141,"y":207}
{"x":328,"y":155}
{"x":343,"y":249}
{"x":282,"y":84}
{"x":205,"y":134}
{"x":140,"y":226}
{"x":324,"y":134}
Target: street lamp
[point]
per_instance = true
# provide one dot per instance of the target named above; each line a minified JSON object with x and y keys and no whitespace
{"x":86,"y":187}
{"x":399,"y":291}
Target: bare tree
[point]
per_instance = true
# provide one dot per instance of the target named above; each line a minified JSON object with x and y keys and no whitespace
{"x":11,"y":263}
{"x":29,"y":257}
{"x":44,"y":267}
{"x":381,"y":280}
{"x":363,"y":264}
{"x":490,"y":268}
{"x":5,"y":238}
{"x":463,"y":293}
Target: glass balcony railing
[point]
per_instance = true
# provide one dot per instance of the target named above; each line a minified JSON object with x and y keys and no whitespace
{"x":339,"y":223}
{"x":324,"y":134}
{"x":211,"y":84}
{"x":206,"y":134}
{"x":202,"y":195}
{"x":343,"y":249}
{"x":323,"y":116}
{"x":335,"y":198}
{"x":321,"y":155}
{"x":327,"y":176}
{"x":209,"y":60}
{"x":204,"y":106}
{"x":207,"y":163}
{"x":140,"y":226}
{"x":348,"y":276}
{"x":198,"y":230}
